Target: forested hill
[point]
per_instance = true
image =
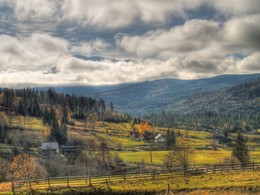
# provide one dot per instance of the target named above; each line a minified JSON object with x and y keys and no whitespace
{"x":244,"y":97}
{"x":232,"y":109}
{"x":165,"y":94}
{"x":30,"y":102}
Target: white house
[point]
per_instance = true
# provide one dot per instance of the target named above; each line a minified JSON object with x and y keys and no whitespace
{"x":159,"y":138}
{"x":52,"y":147}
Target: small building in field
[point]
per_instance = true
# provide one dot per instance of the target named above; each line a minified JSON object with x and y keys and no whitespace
{"x":159,"y":138}
{"x":49,"y":148}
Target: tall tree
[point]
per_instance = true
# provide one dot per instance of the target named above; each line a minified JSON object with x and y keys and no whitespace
{"x":63,"y":131}
{"x":91,"y":122}
{"x":46,"y":119}
{"x":54,"y":134}
{"x":21,"y":108}
{"x":240,"y":150}
{"x":181,"y":155}
{"x":170,"y":139}
{"x":8,"y":99}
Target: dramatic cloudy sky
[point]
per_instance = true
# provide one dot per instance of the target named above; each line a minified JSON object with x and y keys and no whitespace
{"x":96,"y":42}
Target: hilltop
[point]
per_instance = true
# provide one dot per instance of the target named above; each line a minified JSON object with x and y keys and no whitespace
{"x":157,"y":95}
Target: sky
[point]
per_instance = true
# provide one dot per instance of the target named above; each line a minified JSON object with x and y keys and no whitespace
{"x":104,"y":42}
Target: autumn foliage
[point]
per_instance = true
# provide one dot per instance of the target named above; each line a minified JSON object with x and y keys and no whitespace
{"x":142,"y":127}
{"x":24,"y":167}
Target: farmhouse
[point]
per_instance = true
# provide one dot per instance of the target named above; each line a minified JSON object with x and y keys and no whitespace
{"x":49,"y":148}
{"x":159,"y":138}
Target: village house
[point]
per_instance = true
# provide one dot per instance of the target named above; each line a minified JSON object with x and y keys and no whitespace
{"x":159,"y":138}
{"x":49,"y":148}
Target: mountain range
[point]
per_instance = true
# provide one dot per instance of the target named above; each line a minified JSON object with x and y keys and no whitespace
{"x":166,"y":94}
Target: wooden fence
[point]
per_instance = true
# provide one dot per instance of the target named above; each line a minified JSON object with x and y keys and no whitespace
{"x":77,"y":181}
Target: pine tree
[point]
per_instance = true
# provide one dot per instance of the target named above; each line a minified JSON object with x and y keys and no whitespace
{"x":46,"y":119}
{"x":21,"y":109}
{"x":170,"y":139}
{"x":65,"y":117}
{"x":173,"y":138}
{"x":36,"y":108}
{"x":63,"y":134}
{"x":54,"y":134}
{"x":240,"y":150}
{"x":167,"y":140}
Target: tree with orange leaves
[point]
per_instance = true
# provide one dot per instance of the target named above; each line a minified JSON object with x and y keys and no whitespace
{"x":142,"y":127}
{"x":24,"y":167}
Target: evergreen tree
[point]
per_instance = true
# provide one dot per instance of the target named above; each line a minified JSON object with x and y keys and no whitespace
{"x":167,"y":140}
{"x":170,"y":139}
{"x":173,"y":138}
{"x":240,"y":150}
{"x":63,"y":134}
{"x":21,"y":109}
{"x":46,"y":119}
{"x":65,"y":117}
{"x":36,"y":108}
{"x":54,"y":134}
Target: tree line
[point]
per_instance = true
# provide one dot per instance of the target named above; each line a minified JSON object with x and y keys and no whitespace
{"x":56,"y":110}
{"x":208,"y":120}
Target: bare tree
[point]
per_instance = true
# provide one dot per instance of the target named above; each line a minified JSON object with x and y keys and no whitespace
{"x":4,"y":170}
{"x":91,"y":122}
{"x":181,"y":155}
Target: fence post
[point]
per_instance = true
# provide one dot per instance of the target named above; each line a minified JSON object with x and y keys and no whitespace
{"x":253,"y":164}
{"x":30,"y":185}
{"x":68,"y":181}
{"x":89,"y":178}
{"x":108,"y":186}
{"x":214,"y":169}
{"x":49,"y":184}
{"x":13,"y":190}
{"x":124,"y":174}
{"x":153,"y":173}
{"x":168,"y":189}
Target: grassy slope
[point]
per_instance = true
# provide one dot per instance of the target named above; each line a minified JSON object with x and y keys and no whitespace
{"x":200,"y":156}
{"x":116,"y":135}
{"x":226,"y":183}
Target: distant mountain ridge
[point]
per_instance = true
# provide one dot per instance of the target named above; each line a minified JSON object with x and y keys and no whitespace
{"x":158,"y":95}
{"x":243,"y":97}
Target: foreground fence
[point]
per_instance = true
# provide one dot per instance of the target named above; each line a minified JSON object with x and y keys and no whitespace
{"x":77,"y":181}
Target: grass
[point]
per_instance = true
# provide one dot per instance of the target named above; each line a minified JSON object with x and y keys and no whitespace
{"x":122,"y":141}
{"x":26,"y":123}
{"x":210,"y":182}
{"x":246,"y":182}
{"x":200,"y":157}
{"x":158,"y":157}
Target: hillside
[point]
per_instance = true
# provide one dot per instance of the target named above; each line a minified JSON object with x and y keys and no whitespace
{"x":243,"y":97}
{"x":154,"y":96}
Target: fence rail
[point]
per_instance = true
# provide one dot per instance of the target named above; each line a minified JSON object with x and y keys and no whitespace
{"x":77,"y":181}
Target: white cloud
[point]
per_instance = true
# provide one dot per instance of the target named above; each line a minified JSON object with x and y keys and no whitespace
{"x":235,"y":7}
{"x":37,"y":50}
{"x":88,"y":48}
{"x":198,"y":48}
{"x":35,"y":9}
{"x":250,"y":64}
{"x":242,"y":33}
{"x":180,"y":40}
{"x":118,"y":13}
